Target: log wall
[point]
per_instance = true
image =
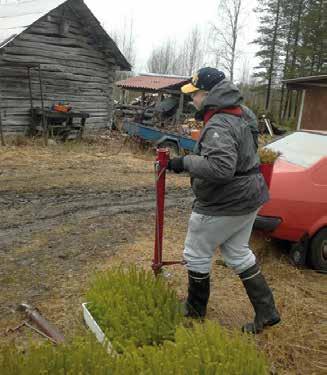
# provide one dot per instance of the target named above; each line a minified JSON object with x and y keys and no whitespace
{"x":74,"y":70}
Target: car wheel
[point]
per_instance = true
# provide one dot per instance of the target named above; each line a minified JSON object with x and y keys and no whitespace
{"x":318,"y":251}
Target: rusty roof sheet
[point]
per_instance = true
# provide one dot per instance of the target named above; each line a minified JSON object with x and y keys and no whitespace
{"x":152,"y":82}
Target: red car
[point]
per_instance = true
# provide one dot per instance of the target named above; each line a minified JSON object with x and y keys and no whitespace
{"x":297,"y":210}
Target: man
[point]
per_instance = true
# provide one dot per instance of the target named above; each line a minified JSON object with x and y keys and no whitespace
{"x":229,"y":190}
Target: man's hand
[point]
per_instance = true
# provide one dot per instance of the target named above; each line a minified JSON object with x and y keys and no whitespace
{"x":176,"y":165}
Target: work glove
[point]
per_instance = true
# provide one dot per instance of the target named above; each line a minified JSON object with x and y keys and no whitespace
{"x":176,"y":165}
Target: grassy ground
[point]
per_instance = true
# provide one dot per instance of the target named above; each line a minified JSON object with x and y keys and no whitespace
{"x":69,"y":210}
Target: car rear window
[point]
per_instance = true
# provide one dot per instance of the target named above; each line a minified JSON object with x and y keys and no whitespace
{"x":301,"y":148}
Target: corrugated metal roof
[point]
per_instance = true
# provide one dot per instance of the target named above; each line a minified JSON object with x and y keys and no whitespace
{"x":15,"y":18}
{"x":152,"y":83}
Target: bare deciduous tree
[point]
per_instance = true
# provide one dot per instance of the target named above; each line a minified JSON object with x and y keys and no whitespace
{"x":193,"y":51}
{"x":124,"y":37}
{"x":182,"y":59}
{"x":163,"y":59}
{"x":226,"y":32}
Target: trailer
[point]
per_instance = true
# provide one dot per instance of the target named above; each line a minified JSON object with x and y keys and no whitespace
{"x":178,"y":144}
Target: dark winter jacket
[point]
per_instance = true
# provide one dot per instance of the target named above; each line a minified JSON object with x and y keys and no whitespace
{"x":224,"y":170}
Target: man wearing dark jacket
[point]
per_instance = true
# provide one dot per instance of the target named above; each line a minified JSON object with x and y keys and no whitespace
{"x":229,"y":190}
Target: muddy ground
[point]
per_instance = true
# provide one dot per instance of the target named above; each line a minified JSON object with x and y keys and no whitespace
{"x":69,"y":210}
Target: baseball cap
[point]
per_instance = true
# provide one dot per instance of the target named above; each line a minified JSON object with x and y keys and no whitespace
{"x":204,"y":79}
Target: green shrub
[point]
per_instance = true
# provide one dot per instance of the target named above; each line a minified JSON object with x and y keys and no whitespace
{"x":82,"y":356}
{"x":206,"y":349}
{"x":134,"y":308}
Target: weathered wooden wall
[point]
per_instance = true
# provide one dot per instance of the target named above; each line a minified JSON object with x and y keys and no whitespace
{"x":314,"y":111}
{"x":74,"y":70}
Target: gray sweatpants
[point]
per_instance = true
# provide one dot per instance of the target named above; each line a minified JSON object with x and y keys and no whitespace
{"x":230,"y":233}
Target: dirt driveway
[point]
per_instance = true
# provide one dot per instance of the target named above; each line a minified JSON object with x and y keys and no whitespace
{"x":69,"y":210}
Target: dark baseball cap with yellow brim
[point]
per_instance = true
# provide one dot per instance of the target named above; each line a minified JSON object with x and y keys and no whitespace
{"x":204,"y":79}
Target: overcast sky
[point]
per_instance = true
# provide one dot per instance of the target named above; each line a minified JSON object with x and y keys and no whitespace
{"x":155,"y":21}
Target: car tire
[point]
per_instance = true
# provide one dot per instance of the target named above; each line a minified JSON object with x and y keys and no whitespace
{"x":318,"y":251}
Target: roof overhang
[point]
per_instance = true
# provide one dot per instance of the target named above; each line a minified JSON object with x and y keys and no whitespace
{"x":154,"y":83}
{"x":306,"y":82}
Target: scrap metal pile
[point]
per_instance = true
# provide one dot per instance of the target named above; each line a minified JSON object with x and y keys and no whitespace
{"x":163,"y":114}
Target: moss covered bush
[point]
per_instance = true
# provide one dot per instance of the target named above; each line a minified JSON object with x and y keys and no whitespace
{"x":204,"y":349}
{"x":134,"y":308}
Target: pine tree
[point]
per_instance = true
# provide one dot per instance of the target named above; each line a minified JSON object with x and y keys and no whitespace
{"x":270,"y":31}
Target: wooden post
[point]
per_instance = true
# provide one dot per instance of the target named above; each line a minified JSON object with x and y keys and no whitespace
{"x":290,"y":105}
{"x":180,"y":108}
{"x":31,"y":96}
{"x":301,"y":111}
{"x":1,"y":131}
{"x":123,"y":96}
{"x":44,"y":119}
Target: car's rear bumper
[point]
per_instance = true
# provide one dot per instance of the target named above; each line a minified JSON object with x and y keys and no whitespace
{"x":268,"y":224}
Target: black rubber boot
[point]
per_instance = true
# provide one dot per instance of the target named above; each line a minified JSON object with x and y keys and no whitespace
{"x":198,"y":295}
{"x":262,"y":300}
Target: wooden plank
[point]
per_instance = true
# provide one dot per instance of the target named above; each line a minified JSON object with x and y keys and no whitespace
{"x":73,"y":41}
{"x":2,"y":139}
{"x":14,"y":130}
{"x":56,"y":72}
{"x":52,"y":29}
{"x":16,"y":121}
{"x":6,"y":112}
{"x":55,"y":97}
{"x":24,"y":103}
{"x":61,"y":66}
{"x":53,"y":84}
{"x":11,"y":87}
{"x":53,"y":90}
{"x":41,"y":56}
{"x":54,"y":41}
{"x":90,"y":55}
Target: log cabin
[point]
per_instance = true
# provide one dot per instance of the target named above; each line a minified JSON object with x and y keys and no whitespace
{"x":57,"y":50}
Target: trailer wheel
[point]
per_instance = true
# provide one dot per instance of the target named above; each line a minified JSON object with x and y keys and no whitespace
{"x":318,"y":251}
{"x":172,"y":147}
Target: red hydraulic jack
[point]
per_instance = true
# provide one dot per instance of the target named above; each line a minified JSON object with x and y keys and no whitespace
{"x":160,"y":174}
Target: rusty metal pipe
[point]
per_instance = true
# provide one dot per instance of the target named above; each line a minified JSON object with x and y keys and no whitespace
{"x":46,"y":327}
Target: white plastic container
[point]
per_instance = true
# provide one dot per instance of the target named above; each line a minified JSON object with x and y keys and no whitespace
{"x":95,"y":328}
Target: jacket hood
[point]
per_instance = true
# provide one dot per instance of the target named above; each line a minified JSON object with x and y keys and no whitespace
{"x":224,"y":95}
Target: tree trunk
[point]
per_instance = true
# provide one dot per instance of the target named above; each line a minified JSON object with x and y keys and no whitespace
{"x":273,"y":56}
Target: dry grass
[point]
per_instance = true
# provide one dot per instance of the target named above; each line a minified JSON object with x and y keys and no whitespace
{"x":108,"y":163}
{"x":60,"y":260}
{"x":298,"y":345}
